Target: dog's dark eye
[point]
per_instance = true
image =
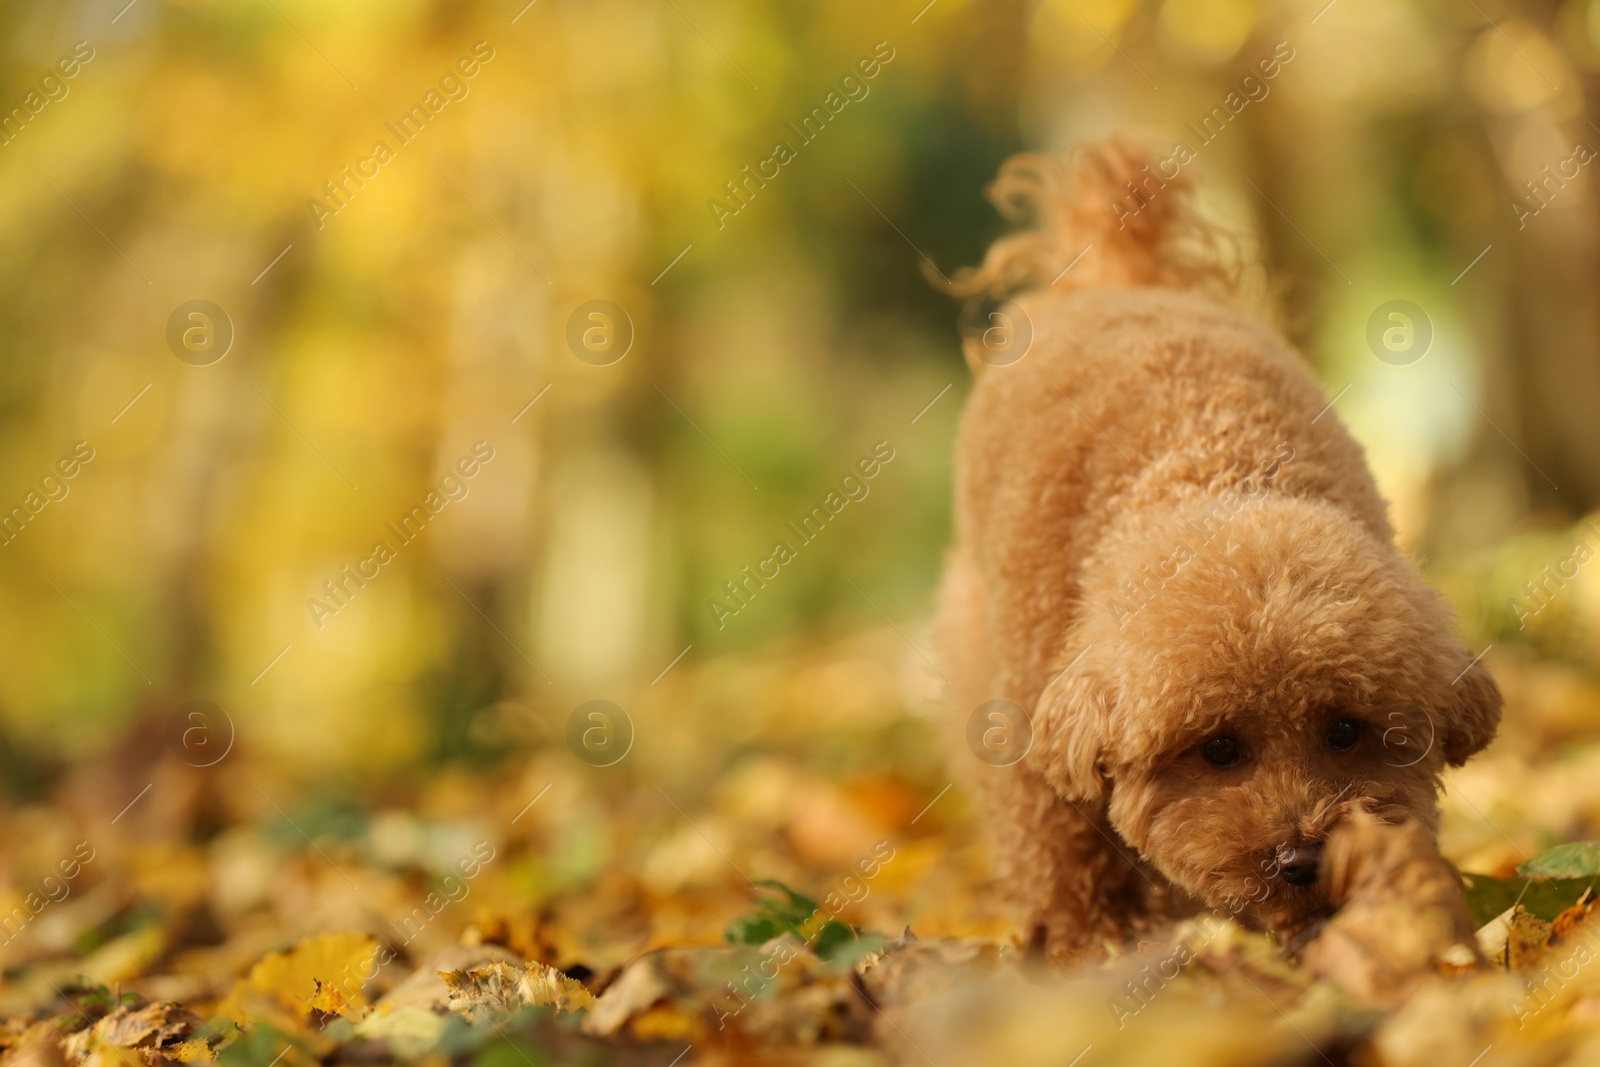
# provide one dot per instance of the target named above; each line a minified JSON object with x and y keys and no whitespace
{"x":1343,"y":735}
{"x":1221,"y":752}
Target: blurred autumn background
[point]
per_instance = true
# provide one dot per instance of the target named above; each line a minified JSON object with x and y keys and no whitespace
{"x":390,"y":330}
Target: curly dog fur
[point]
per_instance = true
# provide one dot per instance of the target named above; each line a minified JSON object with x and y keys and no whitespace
{"x":1164,"y":538}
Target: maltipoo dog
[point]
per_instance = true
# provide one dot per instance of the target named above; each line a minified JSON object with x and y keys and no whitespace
{"x":1171,"y":557}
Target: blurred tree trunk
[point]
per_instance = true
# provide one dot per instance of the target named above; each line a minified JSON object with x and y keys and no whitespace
{"x":1550,"y":371}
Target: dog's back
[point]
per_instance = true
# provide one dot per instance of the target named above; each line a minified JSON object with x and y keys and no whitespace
{"x":1141,"y":383}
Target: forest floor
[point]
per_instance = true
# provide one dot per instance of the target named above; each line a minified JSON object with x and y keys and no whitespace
{"x":754,"y":887}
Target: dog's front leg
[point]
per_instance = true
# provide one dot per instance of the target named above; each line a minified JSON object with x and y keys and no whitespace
{"x":1074,"y":887}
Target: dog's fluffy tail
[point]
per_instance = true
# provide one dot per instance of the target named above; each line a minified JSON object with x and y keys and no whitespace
{"x":1105,"y":217}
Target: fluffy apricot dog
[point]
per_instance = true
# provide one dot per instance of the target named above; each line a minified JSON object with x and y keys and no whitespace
{"x":1170,"y":555}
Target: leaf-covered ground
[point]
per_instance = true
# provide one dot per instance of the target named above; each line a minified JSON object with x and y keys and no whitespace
{"x":746,"y":887}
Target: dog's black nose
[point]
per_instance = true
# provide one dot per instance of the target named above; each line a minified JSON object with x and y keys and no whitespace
{"x":1298,"y":863}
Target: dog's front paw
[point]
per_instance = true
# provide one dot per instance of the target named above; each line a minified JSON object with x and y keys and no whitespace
{"x":1401,"y":914}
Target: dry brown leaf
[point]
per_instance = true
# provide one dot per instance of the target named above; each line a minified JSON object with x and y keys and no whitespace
{"x":1570,"y":922}
{"x":777,"y":994}
{"x":640,"y":986}
{"x":1526,"y":938}
{"x":914,"y":970}
{"x":147,"y":1030}
{"x":493,"y":991}
{"x":425,"y":988}
{"x":1402,"y":914}
{"x":411,"y":1017}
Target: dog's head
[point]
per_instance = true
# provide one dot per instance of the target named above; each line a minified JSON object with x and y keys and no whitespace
{"x":1245,"y":673}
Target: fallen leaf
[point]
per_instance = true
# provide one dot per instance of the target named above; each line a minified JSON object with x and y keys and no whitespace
{"x":491,"y":992}
{"x":147,"y":1030}
{"x":1488,"y":896}
{"x":1576,"y":859}
{"x":1514,"y":939}
{"x":1402,"y":915}
{"x":305,"y":978}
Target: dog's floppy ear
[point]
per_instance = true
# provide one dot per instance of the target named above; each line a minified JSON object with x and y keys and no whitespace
{"x":1070,"y":724}
{"x":1474,"y":714}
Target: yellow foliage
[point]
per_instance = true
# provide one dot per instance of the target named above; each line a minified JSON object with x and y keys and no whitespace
{"x":323,"y":973}
{"x":195,"y":1050}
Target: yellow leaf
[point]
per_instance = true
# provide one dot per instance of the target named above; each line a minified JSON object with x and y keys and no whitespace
{"x":324,"y":973}
{"x":195,"y":1050}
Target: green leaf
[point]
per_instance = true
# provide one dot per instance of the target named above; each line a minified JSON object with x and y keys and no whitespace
{"x":842,"y":947}
{"x":511,"y":1053}
{"x":1543,"y":897}
{"x":1579,"y":859}
{"x":773,"y":915}
{"x":798,"y":907}
{"x":833,"y":936}
{"x":753,"y":930}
